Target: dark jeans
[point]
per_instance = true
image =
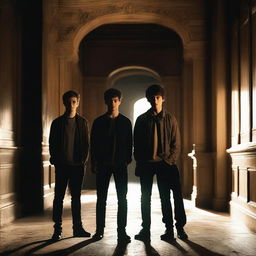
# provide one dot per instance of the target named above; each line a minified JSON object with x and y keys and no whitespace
{"x":102,"y":181}
{"x":167,"y":179}
{"x":72,"y":176}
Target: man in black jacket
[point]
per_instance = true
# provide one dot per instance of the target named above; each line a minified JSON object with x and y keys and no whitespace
{"x":156,"y":149}
{"x":69,"y":145}
{"x":111,"y":151}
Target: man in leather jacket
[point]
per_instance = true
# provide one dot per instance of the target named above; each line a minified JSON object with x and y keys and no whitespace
{"x":156,"y":149}
{"x":69,"y":146}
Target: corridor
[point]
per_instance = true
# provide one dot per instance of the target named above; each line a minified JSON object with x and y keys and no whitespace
{"x":210,"y":233}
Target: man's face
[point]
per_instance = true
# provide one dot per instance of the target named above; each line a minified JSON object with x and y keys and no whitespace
{"x":72,"y":104}
{"x":113,"y":104}
{"x":156,"y":101}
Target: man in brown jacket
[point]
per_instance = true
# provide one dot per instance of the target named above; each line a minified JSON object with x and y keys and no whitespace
{"x":156,"y":149}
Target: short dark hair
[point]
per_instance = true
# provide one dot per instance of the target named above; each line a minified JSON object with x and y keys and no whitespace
{"x":112,"y":93}
{"x":153,"y":90}
{"x":69,"y":94}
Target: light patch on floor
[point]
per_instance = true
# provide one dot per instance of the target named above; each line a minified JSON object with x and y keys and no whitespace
{"x":210,"y":233}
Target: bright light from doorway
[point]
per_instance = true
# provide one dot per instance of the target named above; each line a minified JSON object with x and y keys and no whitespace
{"x":140,"y":106}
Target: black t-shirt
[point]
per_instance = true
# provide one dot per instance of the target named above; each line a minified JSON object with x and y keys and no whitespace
{"x":69,"y":138}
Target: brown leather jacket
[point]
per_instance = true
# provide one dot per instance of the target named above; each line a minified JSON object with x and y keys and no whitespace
{"x":143,"y":136}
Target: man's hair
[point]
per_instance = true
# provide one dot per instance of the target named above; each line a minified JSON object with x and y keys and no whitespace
{"x":154,"y":90}
{"x":112,"y":93}
{"x":69,"y":94}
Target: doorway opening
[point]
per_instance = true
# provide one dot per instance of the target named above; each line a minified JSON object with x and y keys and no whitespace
{"x":140,"y":107}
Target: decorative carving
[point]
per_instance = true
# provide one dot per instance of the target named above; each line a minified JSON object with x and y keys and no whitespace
{"x":111,"y":9}
{"x":65,"y":32}
{"x":129,"y":8}
{"x":66,"y":20}
{"x":83,"y":17}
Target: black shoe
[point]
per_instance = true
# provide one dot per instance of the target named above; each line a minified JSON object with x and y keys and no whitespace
{"x":56,"y":235}
{"x":143,"y":235}
{"x":182,"y":234}
{"x":168,"y":235}
{"x":80,"y":232}
{"x":123,"y":238}
{"x":98,"y":236}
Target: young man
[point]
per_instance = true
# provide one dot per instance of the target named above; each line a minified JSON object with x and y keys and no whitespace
{"x":156,"y":149}
{"x":69,"y":144}
{"x":111,"y":152}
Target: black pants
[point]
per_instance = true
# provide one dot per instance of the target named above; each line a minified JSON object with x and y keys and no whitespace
{"x":102,"y":181}
{"x":72,"y":176}
{"x":167,"y":179}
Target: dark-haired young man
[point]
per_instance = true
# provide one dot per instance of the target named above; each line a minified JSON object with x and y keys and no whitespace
{"x":156,"y":149}
{"x":111,"y":152}
{"x":69,"y":145}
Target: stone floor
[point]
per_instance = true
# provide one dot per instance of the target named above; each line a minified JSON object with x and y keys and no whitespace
{"x":210,"y":233}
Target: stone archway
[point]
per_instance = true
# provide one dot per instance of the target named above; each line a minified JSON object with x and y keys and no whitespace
{"x":80,"y":32}
{"x":194,"y":69}
{"x":131,"y":70}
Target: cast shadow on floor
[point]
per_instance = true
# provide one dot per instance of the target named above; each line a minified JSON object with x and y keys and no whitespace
{"x":44,"y":244}
{"x":120,"y":249}
{"x":199,"y":249}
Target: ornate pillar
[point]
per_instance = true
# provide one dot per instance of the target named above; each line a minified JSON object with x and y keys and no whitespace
{"x":199,"y":112}
{"x":186,"y":128}
{"x":219,"y":108}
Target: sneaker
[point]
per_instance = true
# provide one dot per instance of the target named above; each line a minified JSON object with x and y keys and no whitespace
{"x":123,"y":238}
{"x":80,"y":232}
{"x":168,"y":235}
{"x":56,"y":235}
{"x":98,"y":236}
{"x":182,"y":234}
{"x":143,"y":235}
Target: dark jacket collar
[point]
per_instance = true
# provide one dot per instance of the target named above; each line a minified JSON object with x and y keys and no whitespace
{"x":160,"y":115}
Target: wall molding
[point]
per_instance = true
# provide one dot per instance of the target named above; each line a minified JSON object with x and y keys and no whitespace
{"x":9,"y":208}
{"x":242,"y":148}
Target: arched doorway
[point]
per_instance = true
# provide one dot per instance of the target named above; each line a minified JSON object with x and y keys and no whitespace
{"x":131,"y":57}
{"x":191,"y":83}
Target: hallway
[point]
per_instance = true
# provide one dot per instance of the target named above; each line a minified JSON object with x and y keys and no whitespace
{"x":210,"y":233}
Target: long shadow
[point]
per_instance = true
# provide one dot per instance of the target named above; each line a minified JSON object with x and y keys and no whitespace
{"x":177,"y":245}
{"x":8,"y":252}
{"x":67,"y":251}
{"x":201,"y":250}
{"x":41,"y":246}
{"x":120,"y":249}
{"x":150,"y":251}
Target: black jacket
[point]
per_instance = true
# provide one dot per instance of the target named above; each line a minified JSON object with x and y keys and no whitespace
{"x":100,"y":140}
{"x":170,"y":137}
{"x":81,"y":143}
